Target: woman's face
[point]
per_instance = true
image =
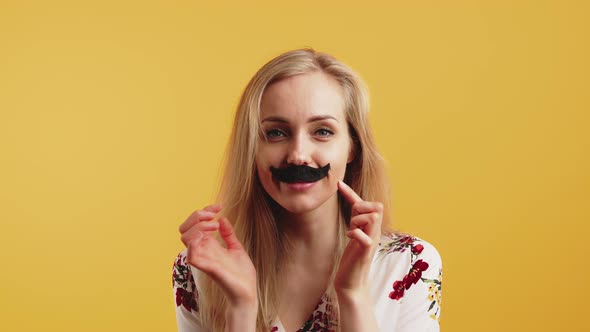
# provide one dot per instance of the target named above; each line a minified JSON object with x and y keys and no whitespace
{"x":303,"y":123}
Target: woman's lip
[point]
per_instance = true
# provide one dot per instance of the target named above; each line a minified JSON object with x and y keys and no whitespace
{"x":300,"y":186}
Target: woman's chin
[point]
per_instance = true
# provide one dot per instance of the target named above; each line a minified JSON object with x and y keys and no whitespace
{"x":297,"y":207}
{"x":302,"y":204}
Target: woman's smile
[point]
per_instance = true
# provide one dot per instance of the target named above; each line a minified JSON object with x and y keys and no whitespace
{"x":300,"y":186}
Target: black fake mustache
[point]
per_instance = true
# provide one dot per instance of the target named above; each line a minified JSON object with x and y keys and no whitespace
{"x":300,"y":173}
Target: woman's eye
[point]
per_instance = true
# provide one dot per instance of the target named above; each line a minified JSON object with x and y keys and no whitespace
{"x":324,"y":132}
{"x":274,"y":133}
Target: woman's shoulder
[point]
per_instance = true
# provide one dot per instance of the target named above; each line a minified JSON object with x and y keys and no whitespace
{"x":183,"y":281}
{"x":405,"y":244}
{"x":407,"y":274}
{"x":400,"y":253}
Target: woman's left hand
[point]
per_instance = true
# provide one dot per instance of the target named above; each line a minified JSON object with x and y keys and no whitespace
{"x":364,"y":233}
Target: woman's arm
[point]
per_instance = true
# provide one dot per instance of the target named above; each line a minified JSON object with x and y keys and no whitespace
{"x":356,"y":312}
{"x":241,"y":318}
{"x":351,"y":281}
{"x":227,"y":263}
{"x":238,"y":318}
{"x":185,"y":294}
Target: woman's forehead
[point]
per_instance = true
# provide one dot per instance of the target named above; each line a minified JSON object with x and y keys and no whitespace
{"x":303,"y":96}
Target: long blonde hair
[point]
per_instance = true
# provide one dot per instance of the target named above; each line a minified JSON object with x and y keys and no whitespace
{"x":252,"y":211}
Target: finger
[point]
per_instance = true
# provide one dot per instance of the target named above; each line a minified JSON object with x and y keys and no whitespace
{"x":192,"y":252}
{"x":215,"y":208}
{"x":361,"y":221}
{"x":194,"y":218}
{"x":369,"y":223}
{"x":228,"y":235}
{"x":366,"y":218}
{"x":201,"y":252}
{"x":368,"y":207}
{"x":348,"y":193}
{"x":362,"y":238}
{"x":373,"y":228}
{"x":207,"y":255}
{"x":204,"y":227}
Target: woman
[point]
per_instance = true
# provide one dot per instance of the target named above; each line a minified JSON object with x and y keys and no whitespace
{"x":300,"y":238}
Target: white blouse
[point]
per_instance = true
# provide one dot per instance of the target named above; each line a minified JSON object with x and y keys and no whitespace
{"x":406,"y":289}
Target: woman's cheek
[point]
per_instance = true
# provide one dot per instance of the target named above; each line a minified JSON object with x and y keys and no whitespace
{"x":339,"y":174}
{"x":337,"y":163}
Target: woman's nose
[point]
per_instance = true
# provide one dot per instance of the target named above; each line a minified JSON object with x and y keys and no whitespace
{"x":299,"y":151}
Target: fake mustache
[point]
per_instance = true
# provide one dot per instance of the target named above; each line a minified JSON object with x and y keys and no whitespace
{"x":300,"y":173}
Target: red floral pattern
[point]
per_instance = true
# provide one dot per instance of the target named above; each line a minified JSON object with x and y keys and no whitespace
{"x":400,"y":243}
{"x":415,"y":274}
{"x":417,"y":249}
{"x":183,"y":281}
{"x":322,"y":319}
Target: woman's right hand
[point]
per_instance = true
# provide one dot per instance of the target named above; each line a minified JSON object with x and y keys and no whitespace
{"x":229,"y":266}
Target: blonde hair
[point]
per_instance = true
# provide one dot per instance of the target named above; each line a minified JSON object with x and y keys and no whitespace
{"x":252,"y":211}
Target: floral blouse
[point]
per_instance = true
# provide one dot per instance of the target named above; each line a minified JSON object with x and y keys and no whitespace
{"x":406,"y":289}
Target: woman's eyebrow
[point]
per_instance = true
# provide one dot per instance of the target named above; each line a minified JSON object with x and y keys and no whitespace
{"x":312,"y":119}
{"x":275,"y":119}
{"x":321,"y":118}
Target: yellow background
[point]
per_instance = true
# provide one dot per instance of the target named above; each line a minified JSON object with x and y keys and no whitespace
{"x":114,"y":116}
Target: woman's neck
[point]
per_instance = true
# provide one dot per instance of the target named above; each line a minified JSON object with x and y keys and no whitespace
{"x":313,"y":234}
